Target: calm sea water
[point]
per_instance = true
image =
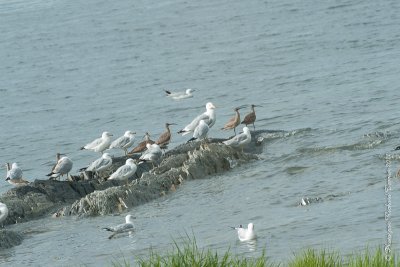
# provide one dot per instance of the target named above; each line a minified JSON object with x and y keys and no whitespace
{"x":326,"y":75}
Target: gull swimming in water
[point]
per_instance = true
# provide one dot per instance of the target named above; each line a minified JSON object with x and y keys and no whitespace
{"x":208,"y":117}
{"x":125,"y":171}
{"x":165,"y":137}
{"x":99,"y":144}
{"x":14,"y":175}
{"x":180,"y":95}
{"x":152,"y":154}
{"x":251,"y":117}
{"x":142,"y":145}
{"x":63,"y":166}
{"x":246,"y":234}
{"x":124,"y":142}
{"x":3,"y":212}
{"x":121,"y":228}
{"x":100,"y":164}
{"x":200,"y":132}
{"x":233,"y":122}
{"x":240,"y":140}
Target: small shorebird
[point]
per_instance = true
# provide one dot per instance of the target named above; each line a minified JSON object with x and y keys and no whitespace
{"x":251,"y":117}
{"x":121,"y":228}
{"x":124,"y":172}
{"x":240,"y":140}
{"x":14,"y":175}
{"x":142,"y":145}
{"x":99,"y":144}
{"x":124,"y":142}
{"x":246,"y":234}
{"x":233,"y":122}
{"x":62,"y":166}
{"x":180,"y":95}
{"x":208,"y":117}
{"x":3,"y":212}
{"x":165,"y":137}
{"x":200,"y":132}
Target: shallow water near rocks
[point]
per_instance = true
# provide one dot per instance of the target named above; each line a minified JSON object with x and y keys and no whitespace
{"x":326,"y":75}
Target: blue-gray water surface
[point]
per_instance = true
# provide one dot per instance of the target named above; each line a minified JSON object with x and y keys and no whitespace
{"x":324,"y":72}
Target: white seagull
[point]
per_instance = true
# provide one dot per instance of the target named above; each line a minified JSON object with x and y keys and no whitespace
{"x":208,"y":117}
{"x":63,"y":166}
{"x":180,"y":95}
{"x":100,"y":164}
{"x":246,"y":234}
{"x":152,"y":154}
{"x":121,"y":228}
{"x":240,"y":140}
{"x":3,"y":212}
{"x":14,"y":175}
{"x":124,"y":142}
{"x":125,"y":171}
{"x":99,"y":144}
{"x":201,"y":131}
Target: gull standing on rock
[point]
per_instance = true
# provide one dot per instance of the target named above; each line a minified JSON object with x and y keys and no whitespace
{"x":100,"y":164}
{"x":180,"y":95}
{"x":152,"y":154}
{"x":240,"y":140}
{"x":121,"y":228}
{"x":251,"y":117}
{"x":208,"y":117}
{"x":124,"y":172}
{"x":63,"y":166}
{"x":142,"y":145}
{"x":165,"y":137}
{"x":233,"y":122}
{"x":124,"y":142}
{"x":3,"y":212}
{"x":99,"y":144}
{"x":14,"y":175}
{"x":246,"y":234}
{"x":201,"y":131}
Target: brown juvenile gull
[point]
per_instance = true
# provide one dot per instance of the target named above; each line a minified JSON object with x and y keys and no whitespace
{"x":124,"y":142}
{"x":165,"y":137}
{"x":121,"y":228}
{"x":208,"y":117}
{"x":63,"y":166}
{"x":142,"y":145}
{"x":251,"y":117}
{"x":99,"y":144}
{"x":14,"y":175}
{"x":233,"y":122}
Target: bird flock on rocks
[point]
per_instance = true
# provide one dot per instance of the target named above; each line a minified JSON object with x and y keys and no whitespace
{"x":151,"y":151}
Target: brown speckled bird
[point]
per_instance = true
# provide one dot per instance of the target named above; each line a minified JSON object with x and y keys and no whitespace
{"x":233,"y":122}
{"x":251,"y":117}
{"x":165,"y":137}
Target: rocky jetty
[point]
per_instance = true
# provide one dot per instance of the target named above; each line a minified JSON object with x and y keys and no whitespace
{"x":91,"y":197}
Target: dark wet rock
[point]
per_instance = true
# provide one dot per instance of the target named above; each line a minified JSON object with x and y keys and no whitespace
{"x":98,"y":197}
{"x":9,"y":239}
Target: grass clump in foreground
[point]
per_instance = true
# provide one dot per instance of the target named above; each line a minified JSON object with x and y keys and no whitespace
{"x":189,"y":254}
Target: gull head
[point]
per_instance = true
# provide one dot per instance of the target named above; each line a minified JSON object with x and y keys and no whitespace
{"x":250,"y":226}
{"x":129,"y":133}
{"x":189,"y":91}
{"x":130,"y":162}
{"x":106,"y":134}
{"x":14,"y":165}
{"x":106,"y":155}
{"x":209,"y":106}
{"x":129,"y":218}
{"x":246,"y":130}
